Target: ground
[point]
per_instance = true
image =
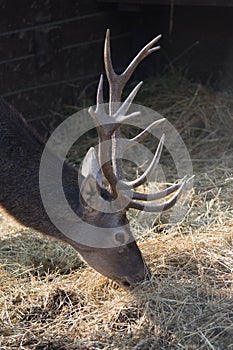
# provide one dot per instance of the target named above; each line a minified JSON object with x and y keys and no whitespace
{"x":50,"y":300}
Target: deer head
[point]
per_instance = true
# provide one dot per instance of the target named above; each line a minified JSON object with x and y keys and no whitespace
{"x":117,"y":255}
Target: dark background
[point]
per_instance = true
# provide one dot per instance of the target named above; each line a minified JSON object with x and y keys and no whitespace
{"x":51,"y":51}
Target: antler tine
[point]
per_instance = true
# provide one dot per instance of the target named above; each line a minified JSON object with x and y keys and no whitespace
{"x":128,"y":143}
{"x":120,"y":115}
{"x":146,"y":51}
{"x":99,"y":116}
{"x":124,"y":144}
{"x":158,"y":195}
{"x":158,"y":207}
{"x":111,"y":75}
{"x":123,"y":184}
{"x":140,"y":137}
{"x":118,"y":82}
{"x":99,"y":96}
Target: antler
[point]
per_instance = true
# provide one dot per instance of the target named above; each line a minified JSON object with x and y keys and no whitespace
{"x":116,"y":86}
{"x":108,"y":128}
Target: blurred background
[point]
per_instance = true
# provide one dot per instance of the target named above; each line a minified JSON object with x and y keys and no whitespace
{"x":51,"y":51}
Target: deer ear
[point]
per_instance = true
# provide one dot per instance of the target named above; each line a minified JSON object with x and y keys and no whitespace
{"x":90,"y":166}
{"x":90,"y":193}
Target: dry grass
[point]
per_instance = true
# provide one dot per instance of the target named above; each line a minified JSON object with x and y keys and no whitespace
{"x":50,"y":301}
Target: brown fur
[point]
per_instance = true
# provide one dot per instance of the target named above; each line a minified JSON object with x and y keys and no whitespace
{"x":20,"y":154}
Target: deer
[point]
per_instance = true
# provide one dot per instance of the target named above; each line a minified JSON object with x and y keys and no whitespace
{"x":99,"y":183}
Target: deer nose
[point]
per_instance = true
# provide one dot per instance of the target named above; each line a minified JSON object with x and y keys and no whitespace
{"x":137,"y":278}
{"x":143,"y":275}
{"x":125,"y":283}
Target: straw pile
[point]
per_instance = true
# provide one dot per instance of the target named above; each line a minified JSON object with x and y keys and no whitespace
{"x":49,"y":300}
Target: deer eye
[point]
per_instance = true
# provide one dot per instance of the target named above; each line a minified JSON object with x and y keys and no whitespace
{"x":121,"y":237}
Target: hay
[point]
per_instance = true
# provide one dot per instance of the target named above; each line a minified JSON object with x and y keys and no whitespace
{"x":48,"y":302}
